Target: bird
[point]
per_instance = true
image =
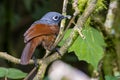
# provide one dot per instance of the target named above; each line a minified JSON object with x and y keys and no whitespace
{"x":42,"y":32}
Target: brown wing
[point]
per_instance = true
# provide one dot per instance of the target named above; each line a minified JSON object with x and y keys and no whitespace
{"x":39,"y":30}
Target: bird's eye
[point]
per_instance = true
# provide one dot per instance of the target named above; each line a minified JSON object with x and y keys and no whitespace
{"x":55,"y":18}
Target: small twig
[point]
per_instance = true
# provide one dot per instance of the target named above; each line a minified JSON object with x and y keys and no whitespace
{"x":5,"y":55}
{"x":41,"y":72}
{"x":10,"y":58}
{"x":110,"y":16}
{"x":64,"y":10}
{"x":80,"y":32}
{"x":77,"y":11}
{"x":31,"y":72}
{"x":75,"y":7}
{"x":62,"y":25}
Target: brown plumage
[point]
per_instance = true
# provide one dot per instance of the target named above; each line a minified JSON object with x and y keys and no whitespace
{"x":36,"y":35}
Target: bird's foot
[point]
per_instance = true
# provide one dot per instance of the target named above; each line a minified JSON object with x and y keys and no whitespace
{"x":53,"y":50}
{"x":57,"y":50}
{"x":35,"y":61}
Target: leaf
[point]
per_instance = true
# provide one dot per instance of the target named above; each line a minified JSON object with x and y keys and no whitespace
{"x":15,"y":73}
{"x":11,"y":73}
{"x":89,"y":49}
{"x":65,"y":37}
{"x":110,"y":77}
{"x":2,"y":71}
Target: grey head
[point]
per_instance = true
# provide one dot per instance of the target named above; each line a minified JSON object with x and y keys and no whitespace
{"x":51,"y":18}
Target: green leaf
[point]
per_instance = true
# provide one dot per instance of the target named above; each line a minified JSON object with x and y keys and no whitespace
{"x":11,"y":73}
{"x":89,"y":49}
{"x":2,"y":71}
{"x":15,"y":73}
{"x":65,"y":37}
{"x":110,"y":77}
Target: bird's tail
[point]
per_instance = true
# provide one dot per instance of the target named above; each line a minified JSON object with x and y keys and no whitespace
{"x":29,"y":50}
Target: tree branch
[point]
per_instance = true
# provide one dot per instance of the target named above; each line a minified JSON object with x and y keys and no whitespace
{"x":62,"y":25}
{"x":110,"y":16}
{"x":5,"y":55}
{"x":10,"y":58}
